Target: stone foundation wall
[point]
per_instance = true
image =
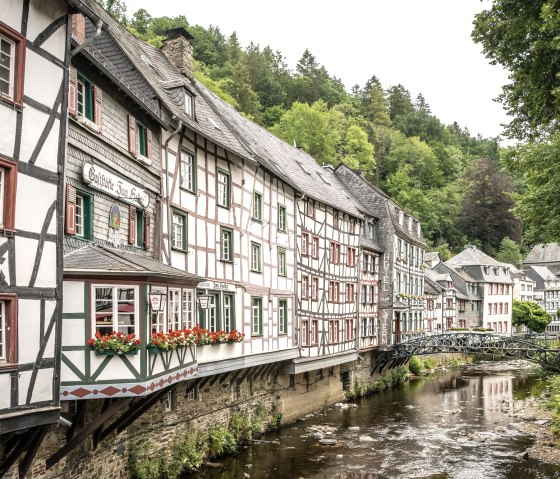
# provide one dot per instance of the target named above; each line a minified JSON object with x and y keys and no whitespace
{"x":214,"y":404}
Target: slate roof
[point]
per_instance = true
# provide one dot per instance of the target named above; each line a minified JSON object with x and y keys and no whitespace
{"x":544,"y":253}
{"x":94,"y":259}
{"x":431,"y":287}
{"x":292,"y":164}
{"x":543,"y":272}
{"x":431,"y":256}
{"x":473,"y":256}
{"x":460,"y":279}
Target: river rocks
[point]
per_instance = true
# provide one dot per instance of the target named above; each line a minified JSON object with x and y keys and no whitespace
{"x":327,"y":442}
{"x":542,"y":422}
{"x":366,"y":439}
{"x":342,"y":405}
{"x":339,"y":457}
{"x":353,"y":428}
{"x":318,"y":435}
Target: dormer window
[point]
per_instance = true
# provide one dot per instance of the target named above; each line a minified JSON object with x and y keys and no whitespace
{"x":189,"y":104}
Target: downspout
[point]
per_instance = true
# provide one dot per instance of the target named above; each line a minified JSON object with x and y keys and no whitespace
{"x":89,"y":41}
{"x":167,"y":194}
{"x":296,"y":296}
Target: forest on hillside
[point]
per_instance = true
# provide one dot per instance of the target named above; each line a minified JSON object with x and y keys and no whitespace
{"x":451,"y":180}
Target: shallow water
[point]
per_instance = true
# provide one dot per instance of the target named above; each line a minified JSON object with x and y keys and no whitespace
{"x":448,"y":426}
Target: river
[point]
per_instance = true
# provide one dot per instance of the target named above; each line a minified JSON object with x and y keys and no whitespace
{"x":454,"y":424}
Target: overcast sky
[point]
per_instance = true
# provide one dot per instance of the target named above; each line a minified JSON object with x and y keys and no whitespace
{"x":423,"y":44}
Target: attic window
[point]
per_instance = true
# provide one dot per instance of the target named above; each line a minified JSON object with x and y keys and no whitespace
{"x":303,"y":167}
{"x":213,"y":123}
{"x":189,"y":106}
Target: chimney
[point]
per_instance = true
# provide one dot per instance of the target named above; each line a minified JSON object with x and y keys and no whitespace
{"x":79,"y":28}
{"x":470,"y":246}
{"x":179,"y":51}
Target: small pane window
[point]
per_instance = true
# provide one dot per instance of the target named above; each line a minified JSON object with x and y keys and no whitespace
{"x":255,"y":257}
{"x":187,"y":171}
{"x":223,"y":189}
{"x":282,"y":268}
{"x":189,"y":104}
{"x":2,"y":330}
{"x":226,"y":245}
{"x":140,"y":228}
{"x":257,"y":206}
{"x":84,"y":226}
{"x":174,"y":309}
{"x":85,"y":100}
{"x":256,"y":316}
{"x":179,"y":239}
{"x":116,"y":309}
{"x":229,"y":323}
{"x":283,"y":316}
{"x":7,"y":61}
{"x":282,"y":218}
{"x":188,"y":309}
{"x":141,"y":139}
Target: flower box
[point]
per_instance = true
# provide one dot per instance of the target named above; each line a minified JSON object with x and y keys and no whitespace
{"x":153,"y":350}
{"x":218,"y":352}
{"x":112,"y":352}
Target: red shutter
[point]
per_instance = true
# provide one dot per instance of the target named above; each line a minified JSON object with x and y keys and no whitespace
{"x":131,"y":225}
{"x":149,"y":143}
{"x":73,"y":92}
{"x":97,"y":99}
{"x":132,"y":134}
{"x":147,"y":237}
{"x":70,"y":210}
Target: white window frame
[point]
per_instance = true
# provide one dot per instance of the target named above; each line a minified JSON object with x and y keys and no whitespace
{"x":282,"y":263}
{"x":11,"y":67}
{"x":189,"y":104}
{"x":115,"y":316}
{"x":257,"y":206}
{"x":188,"y":170}
{"x":282,"y":218}
{"x":178,"y":244}
{"x":256,"y":316}
{"x":282,"y":316}
{"x":223,"y":197}
{"x":226,"y":245}
{"x":256,"y":265}
{"x":228,"y":323}
{"x":79,"y":215}
{"x":174,"y":309}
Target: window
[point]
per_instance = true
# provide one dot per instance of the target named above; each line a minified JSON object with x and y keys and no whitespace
{"x":334,"y":291}
{"x":335,"y":253}
{"x":171,"y":401}
{"x":8,"y":328}
{"x":256,"y":316}
{"x":311,"y":209}
{"x":85,"y":102}
{"x":83,"y":215}
{"x":305,"y":333}
{"x":115,"y":309}
{"x":314,"y":332}
{"x":226,"y":244}
{"x":304,"y":244}
{"x":352,"y":226}
{"x":255,"y":257}
{"x":189,"y":104}
{"x":179,"y":231}
{"x":141,"y":140}
{"x":349,"y":292}
{"x":12,"y":61}
{"x":174,"y":309}
{"x":506,"y":308}
{"x":257,"y":206}
{"x":140,"y":228}
{"x":349,"y":329}
{"x":282,"y":218}
{"x":372,"y":295}
{"x":188,"y":171}
{"x":335,"y":220}
{"x":333,"y":332}
{"x":2,"y":195}
{"x":315,"y":247}
{"x":373,"y":264}
{"x":495,"y":308}
{"x":223,"y":189}
{"x":188,"y":309}
{"x":229,"y":322}
{"x":315,"y":288}
{"x":282,"y":316}
{"x":351,"y":259}
{"x":365,"y":327}
{"x":364,"y":294}
{"x":282,"y":267}
{"x":305,"y":287}
{"x":366,"y":262}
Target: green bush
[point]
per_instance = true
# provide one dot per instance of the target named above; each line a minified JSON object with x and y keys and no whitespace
{"x":416,"y":366}
{"x":220,"y":441}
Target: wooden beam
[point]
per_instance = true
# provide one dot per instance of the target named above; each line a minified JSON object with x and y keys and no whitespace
{"x":83,"y":434}
{"x":77,"y":420}
{"x":203,"y":382}
{"x":36,"y":441}
{"x":224,"y":377}
{"x":23,"y":443}
{"x":134,"y":412}
{"x":214,"y":379}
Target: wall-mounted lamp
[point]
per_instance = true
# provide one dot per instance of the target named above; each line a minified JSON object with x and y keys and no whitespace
{"x":205,"y":301}
{"x":157,"y":301}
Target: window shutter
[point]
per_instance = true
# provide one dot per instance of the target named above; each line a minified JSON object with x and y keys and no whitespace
{"x":70,"y":210}
{"x":131,"y":225}
{"x":132,"y":134}
{"x":148,"y":143}
{"x":147,"y":238}
{"x":73,"y":92}
{"x":97,"y":99}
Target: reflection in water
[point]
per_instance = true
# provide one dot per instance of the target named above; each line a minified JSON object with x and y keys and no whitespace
{"x":451,"y":426}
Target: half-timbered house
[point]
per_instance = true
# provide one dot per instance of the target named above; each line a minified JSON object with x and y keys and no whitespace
{"x":401,"y":279}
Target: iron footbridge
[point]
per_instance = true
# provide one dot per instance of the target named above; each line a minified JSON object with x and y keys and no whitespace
{"x":536,"y":350}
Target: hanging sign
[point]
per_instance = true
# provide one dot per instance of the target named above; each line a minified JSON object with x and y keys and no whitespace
{"x":115,"y":217}
{"x":106,"y":181}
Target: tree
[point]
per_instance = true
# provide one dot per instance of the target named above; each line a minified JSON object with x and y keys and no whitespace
{"x":527,"y":313}
{"x":374,"y":103}
{"x":522,"y":36}
{"x":400,"y":102}
{"x":115,"y":8}
{"x":358,"y":151}
{"x":487,"y":206}
{"x":509,"y":252}
{"x":315,"y":128}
